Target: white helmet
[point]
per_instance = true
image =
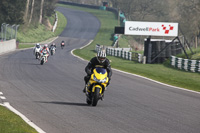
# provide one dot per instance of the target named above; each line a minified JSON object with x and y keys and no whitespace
{"x":101,"y":56}
{"x":37,"y":45}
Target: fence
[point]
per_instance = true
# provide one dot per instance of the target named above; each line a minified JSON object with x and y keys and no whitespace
{"x":185,"y":64}
{"x":8,"y":32}
{"x":121,"y":52}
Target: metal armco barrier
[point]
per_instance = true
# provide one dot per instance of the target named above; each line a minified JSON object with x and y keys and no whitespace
{"x":185,"y":64}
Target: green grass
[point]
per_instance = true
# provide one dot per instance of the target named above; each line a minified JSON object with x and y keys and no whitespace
{"x":195,"y":56}
{"x":22,"y":46}
{"x":12,"y":123}
{"x":34,"y":34}
{"x":41,"y":33}
{"x":160,"y":72}
{"x":123,"y":42}
{"x":52,"y":19}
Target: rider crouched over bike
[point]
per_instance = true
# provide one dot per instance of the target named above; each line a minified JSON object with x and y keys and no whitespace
{"x":99,"y":61}
{"x":62,"y":44}
{"x":53,"y":45}
{"x":45,"y":50}
{"x":36,"y":50}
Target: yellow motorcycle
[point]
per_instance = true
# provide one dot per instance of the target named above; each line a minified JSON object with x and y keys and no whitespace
{"x":96,"y":86}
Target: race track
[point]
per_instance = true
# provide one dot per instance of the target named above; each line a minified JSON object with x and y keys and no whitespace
{"x":51,"y":96}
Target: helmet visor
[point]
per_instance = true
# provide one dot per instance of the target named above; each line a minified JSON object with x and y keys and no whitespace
{"x":101,"y":59}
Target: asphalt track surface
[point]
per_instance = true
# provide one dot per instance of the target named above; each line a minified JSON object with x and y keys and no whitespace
{"x":50,"y":95}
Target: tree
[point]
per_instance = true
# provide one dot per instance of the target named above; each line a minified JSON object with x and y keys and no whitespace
{"x":32,"y":9}
{"x":41,"y":11}
{"x":27,"y":9}
{"x":12,"y":11}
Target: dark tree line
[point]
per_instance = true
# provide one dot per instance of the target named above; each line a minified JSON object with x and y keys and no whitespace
{"x":11,"y":11}
{"x":25,"y":11}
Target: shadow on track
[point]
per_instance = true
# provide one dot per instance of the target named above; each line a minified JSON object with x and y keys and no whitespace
{"x":64,"y":103}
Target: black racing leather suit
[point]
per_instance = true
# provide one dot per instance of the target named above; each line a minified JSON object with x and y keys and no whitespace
{"x":95,"y":63}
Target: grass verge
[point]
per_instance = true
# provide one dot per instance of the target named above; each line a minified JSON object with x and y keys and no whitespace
{"x":160,"y":72}
{"x":12,"y":123}
{"x":22,"y":46}
{"x":40,"y":33}
{"x":193,"y":56}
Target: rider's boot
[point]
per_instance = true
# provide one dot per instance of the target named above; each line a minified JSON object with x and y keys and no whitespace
{"x":84,"y":90}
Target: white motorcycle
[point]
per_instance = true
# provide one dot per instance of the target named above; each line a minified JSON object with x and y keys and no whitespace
{"x":52,"y":50}
{"x":37,"y":53}
{"x":43,"y":58}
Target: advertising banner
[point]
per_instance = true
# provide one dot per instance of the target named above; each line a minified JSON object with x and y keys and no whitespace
{"x":151,"y":28}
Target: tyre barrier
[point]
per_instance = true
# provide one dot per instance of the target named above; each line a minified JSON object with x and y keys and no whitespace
{"x":185,"y":64}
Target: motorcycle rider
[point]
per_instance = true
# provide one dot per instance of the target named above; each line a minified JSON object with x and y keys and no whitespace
{"x":62,"y":43}
{"x":52,"y":45}
{"x":45,"y":49}
{"x":36,"y":46}
{"x":99,"y":61}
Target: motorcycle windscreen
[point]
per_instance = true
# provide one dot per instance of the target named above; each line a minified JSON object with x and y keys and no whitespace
{"x":100,"y":70}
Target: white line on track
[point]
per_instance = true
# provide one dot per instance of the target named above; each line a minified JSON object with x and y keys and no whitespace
{"x":138,"y":75}
{"x":1,"y":93}
{"x":2,"y":97}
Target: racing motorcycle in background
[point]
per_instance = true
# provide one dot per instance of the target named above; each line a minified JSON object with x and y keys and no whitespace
{"x":62,"y":44}
{"x":52,"y":50}
{"x":96,"y":86}
{"x":37,"y":52}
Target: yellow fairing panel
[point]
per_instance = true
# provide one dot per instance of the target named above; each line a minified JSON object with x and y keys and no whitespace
{"x":93,"y":89}
{"x":99,"y":75}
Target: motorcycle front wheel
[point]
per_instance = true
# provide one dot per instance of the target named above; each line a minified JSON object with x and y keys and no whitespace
{"x":37,"y":55}
{"x":42,"y":61}
{"x":95,"y":98}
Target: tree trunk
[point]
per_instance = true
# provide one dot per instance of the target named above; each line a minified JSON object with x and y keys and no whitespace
{"x":41,"y":10}
{"x":196,"y":42}
{"x":32,"y":8}
{"x":27,"y":9}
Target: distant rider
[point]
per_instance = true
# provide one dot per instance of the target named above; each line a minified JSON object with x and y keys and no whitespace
{"x":52,"y":45}
{"x":99,"y":61}
{"x":62,"y":43}
{"x":45,"y":50}
{"x":36,"y":47}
